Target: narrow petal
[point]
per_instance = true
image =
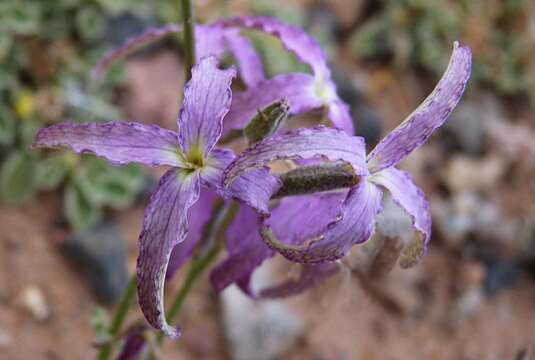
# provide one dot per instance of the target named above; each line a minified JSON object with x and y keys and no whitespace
{"x":253,"y":189}
{"x":119,"y":142}
{"x":311,"y":276}
{"x":207,"y":99}
{"x":340,"y":116}
{"x":249,"y":62}
{"x":305,"y":47}
{"x":164,"y":226}
{"x":412,"y":199}
{"x":199,"y":215}
{"x":332,"y":144}
{"x":130,"y":45}
{"x":246,"y":252}
{"x":431,"y":114}
{"x":297,"y":89}
{"x":354,"y":224}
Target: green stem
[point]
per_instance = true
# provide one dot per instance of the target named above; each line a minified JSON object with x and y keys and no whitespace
{"x":119,"y":317}
{"x":189,"y":37}
{"x":199,"y":264}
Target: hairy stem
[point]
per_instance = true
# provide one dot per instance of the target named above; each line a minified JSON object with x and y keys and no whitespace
{"x":189,"y":36}
{"x":120,"y":315}
{"x":316,"y":178}
{"x":200,"y":263}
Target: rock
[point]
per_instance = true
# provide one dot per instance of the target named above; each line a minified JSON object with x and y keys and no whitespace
{"x":465,"y":130}
{"x":101,"y":254}
{"x":5,"y":339}
{"x":32,"y":300}
{"x":465,"y":173}
{"x":501,"y":274}
{"x":259,"y":330}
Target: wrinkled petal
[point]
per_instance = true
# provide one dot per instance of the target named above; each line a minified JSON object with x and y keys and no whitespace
{"x":246,"y":252}
{"x":354,"y":224}
{"x":340,"y":116}
{"x":130,"y":45}
{"x":305,"y":47}
{"x":332,"y":144}
{"x":199,"y":215}
{"x":164,"y":226}
{"x":311,"y":276}
{"x":412,"y":199}
{"x":118,"y":142}
{"x":135,"y":343}
{"x":253,"y":189}
{"x":297,"y":89}
{"x":249,"y":62}
{"x":207,"y":99}
{"x":431,"y":114}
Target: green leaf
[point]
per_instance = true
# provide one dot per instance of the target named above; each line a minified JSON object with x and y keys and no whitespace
{"x":79,"y":212}
{"x":51,"y":172}
{"x":90,"y":22}
{"x":100,"y":321}
{"x":7,"y":128}
{"x":17,"y":178}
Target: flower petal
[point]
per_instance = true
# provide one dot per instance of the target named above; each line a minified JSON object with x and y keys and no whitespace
{"x":332,"y":144}
{"x":305,"y":47}
{"x":207,"y":99}
{"x":253,"y":189}
{"x":431,"y":114}
{"x":297,"y":89}
{"x":246,"y":252}
{"x":199,"y":215}
{"x":249,"y":62}
{"x":311,"y":275}
{"x":130,"y":45}
{"x":411,"y":198}
{"x":119,"y":142}
{"x":340,"y":116}
{"x":354,"y":224}
{"x":164,"y":226}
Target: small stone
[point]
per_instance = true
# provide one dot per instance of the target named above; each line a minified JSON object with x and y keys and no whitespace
{"x":465,"y":173}
{"x":32,"y":300}
{"x":258,"y":330}
{"x":5,"y":339}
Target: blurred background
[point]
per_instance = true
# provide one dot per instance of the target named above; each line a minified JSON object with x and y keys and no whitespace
{"x":69,"y":224}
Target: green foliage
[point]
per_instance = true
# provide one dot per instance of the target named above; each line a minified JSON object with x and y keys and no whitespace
{"x":17,"y":178}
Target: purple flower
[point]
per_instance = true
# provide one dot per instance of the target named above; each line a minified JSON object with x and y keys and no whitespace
{"x":304,"y":92}
{"x":194,"y":163}
{"x":307,"y":237}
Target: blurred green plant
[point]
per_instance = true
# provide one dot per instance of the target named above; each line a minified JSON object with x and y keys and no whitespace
{"x":47,"y":49}
{"x":420,"y":32}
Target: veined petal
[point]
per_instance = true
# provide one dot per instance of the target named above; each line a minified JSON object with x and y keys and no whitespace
{"x":249,"y":62}
{"x":354,"y":224}
{"x":165,"y":225}
{"x":311,"y":276}
{"x":332,"y":144}
{"x":132,"y":44}
{"x":118,"y":142}
{"x":412,"y":199}
{"x":297,"y":89}
{"x":431,"y":114}
{"x":340,"y":116}
{"x":246,"y":252}
{"x":199,"y":215}
{"x":207,"y":99}
{"x":305,"y":47}
{"x":253,"y":189}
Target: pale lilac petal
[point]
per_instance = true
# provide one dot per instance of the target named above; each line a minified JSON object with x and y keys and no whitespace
{"x":412,"y":199}
{"x":354,"y":224}
{"x":199,"y":215}
{"x":130,"y":45}
{"x":340,"y":116}
{"x":246,"y":252}
{"x":249,"y":62}
{"x":311,"y":276}
{"x":165,"y":225}
{"x":294,"y":39}
{"x":119,"y":142}
{"x":431,"y":114}
{"x":297,"y":89}
{"x":253,"y":188}
{"x":331,"y":144}
{"x":207,"y":99}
